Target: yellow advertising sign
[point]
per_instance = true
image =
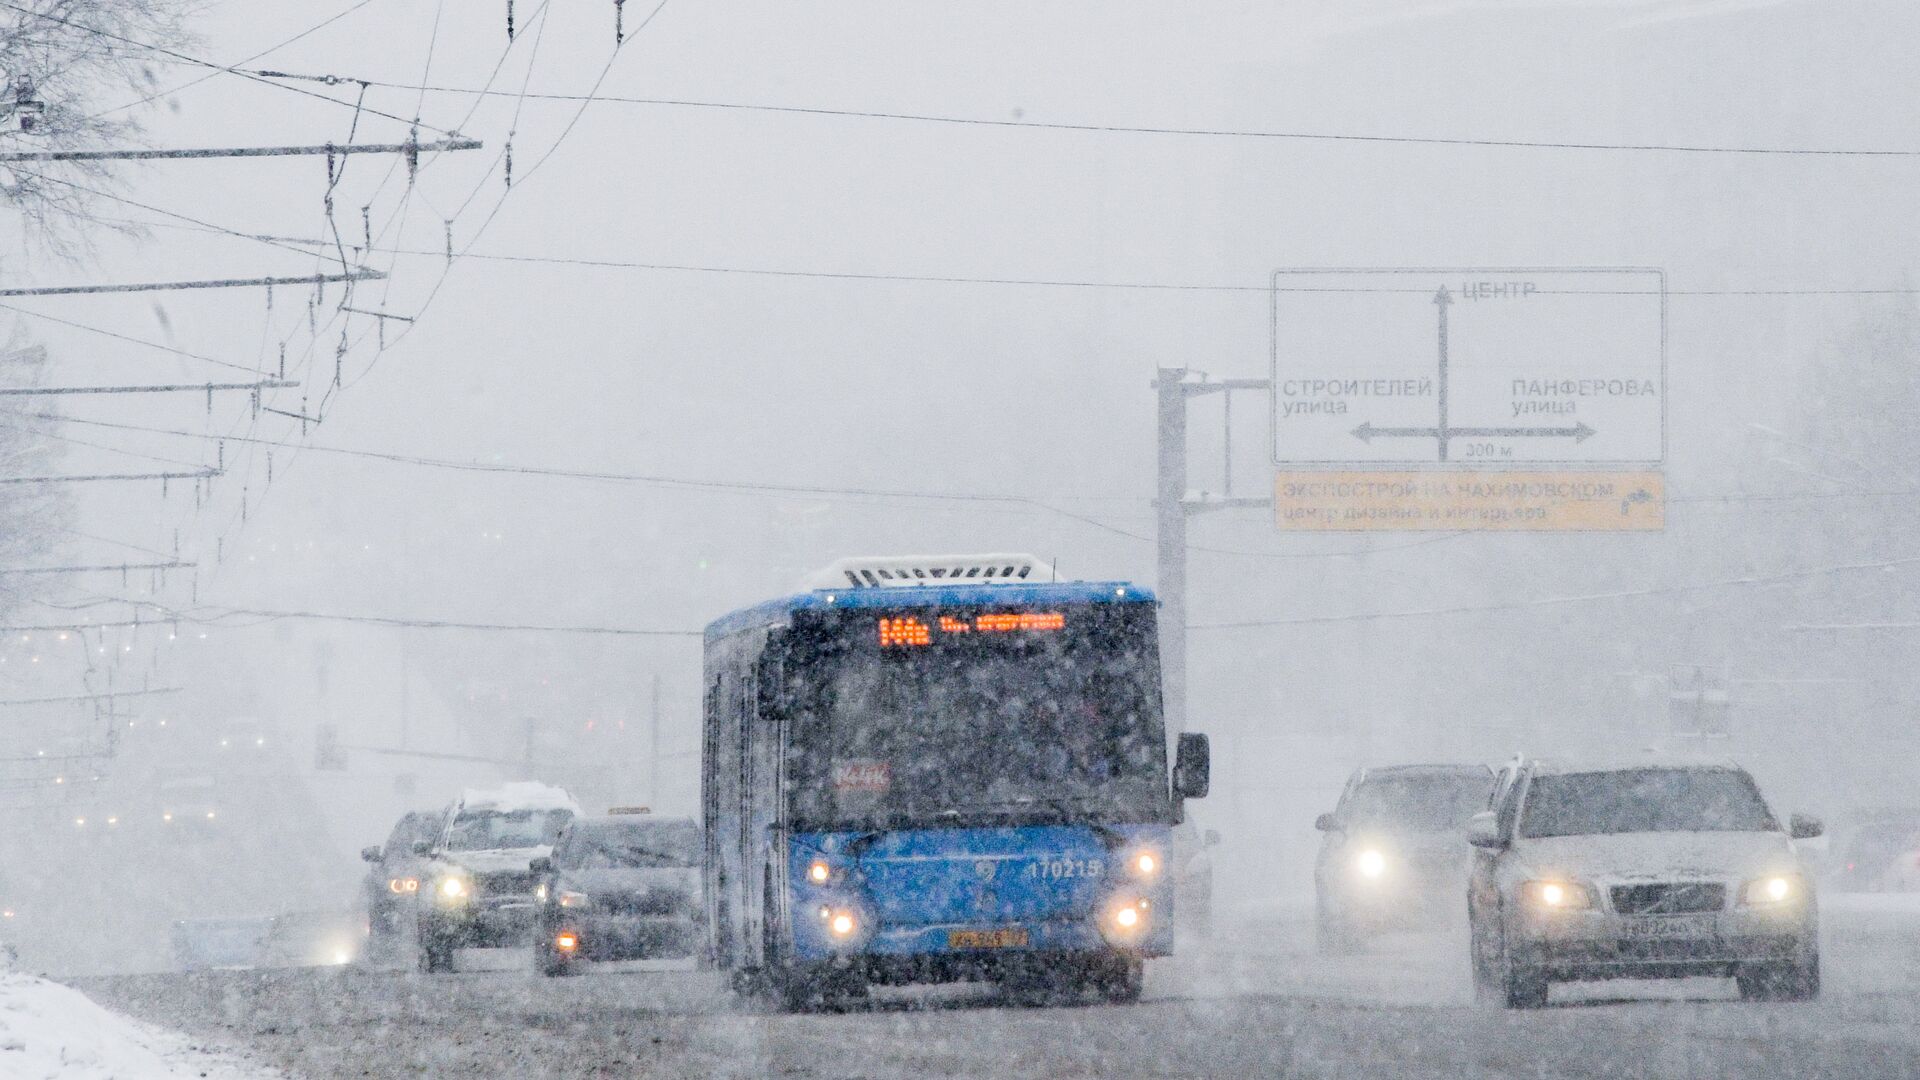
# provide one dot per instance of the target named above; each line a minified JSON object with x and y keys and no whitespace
{"x":1486,"y":500}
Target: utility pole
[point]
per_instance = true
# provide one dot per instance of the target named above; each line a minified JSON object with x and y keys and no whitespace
{"x":653,"y":756}
{"x":1170,"y":513}
{"x":1172,"y":507}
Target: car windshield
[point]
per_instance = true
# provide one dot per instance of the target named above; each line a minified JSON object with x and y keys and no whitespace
{"x":1644,"y":800}
{"x":480,"y":830}
{"x":1418,"y":802}
{"x":626,"y":847}
{"x":413,"y":829}
{"x":931,"y":715}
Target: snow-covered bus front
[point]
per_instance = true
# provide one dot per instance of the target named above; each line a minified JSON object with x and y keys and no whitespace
{"x":938,"y":769}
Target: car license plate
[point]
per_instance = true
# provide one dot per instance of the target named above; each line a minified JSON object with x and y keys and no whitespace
{"x":1669,"y":926}
{"x":1012,"y":938}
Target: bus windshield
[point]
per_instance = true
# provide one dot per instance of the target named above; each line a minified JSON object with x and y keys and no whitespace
{"x":938,"y":716}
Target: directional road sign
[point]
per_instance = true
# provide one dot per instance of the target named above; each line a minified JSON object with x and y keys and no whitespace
{"x":1528,"y":398}
{"x":1469,"y":367}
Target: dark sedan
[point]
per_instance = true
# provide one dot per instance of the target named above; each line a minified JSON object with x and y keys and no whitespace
{"x":621,"y":887}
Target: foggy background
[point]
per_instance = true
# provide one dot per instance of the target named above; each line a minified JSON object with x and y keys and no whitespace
{"x":751,"y":324}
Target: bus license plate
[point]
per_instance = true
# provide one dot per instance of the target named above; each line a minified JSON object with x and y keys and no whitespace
{"x":987,"y":939}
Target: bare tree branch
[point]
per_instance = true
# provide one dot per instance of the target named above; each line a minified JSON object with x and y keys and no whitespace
{"x":62,"y":59}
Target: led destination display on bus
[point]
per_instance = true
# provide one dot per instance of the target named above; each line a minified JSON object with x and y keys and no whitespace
{"x":908,"y":631}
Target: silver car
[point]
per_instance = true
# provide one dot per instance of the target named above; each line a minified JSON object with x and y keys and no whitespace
{"x":1638,"y":871}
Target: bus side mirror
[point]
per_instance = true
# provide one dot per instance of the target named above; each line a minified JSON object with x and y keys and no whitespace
{"x":370,"y":854}
{"x":1192,"y":767}
{"x":541,"y":865}
{"x":1326,"y":823}
{"x":1483,"y":831}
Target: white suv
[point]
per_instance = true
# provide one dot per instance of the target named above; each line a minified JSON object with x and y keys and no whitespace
{"x":1638,"y":871}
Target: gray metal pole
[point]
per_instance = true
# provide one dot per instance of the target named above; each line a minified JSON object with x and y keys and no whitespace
{"x":1171,"y":512}
{"x":653,"y":782}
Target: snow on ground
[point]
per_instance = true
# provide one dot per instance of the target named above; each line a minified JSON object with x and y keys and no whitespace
{"x":49,"y":1030}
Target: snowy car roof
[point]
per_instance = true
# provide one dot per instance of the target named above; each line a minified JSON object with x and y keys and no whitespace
{"x":1369,"y":772}
{"x":1623,"y":763}
{"x":518,"y":795}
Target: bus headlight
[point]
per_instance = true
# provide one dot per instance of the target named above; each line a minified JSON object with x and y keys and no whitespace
{"x":818,"y":872}
{"x":1144,"y":864}
{"x":1125,"y":919}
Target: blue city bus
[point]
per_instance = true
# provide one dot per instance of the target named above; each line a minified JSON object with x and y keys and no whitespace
{"x":942,"y":770}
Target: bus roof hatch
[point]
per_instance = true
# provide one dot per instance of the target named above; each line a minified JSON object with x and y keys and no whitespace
{"x":908,"y":571}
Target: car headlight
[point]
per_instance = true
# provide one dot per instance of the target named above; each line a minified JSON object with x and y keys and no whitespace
{"x":403,"y":885}
{"x":452,"y":890}
{"x":1557,"y":895}
{"x":1776,"y":889}
{"x":1370,"y":863}
{"x":571,"y":899}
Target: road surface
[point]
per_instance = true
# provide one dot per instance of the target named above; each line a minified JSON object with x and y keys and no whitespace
{"x":1253,"y":1002}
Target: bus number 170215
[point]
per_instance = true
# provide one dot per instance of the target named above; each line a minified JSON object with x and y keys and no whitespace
{"x":1065,"y":868}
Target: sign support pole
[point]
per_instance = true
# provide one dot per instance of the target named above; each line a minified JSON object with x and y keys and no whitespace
{"x":1172,"y":508}
{"x":1170,"y":514}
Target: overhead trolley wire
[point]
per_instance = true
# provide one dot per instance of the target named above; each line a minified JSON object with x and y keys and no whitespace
{"x":175,"y":54}
{"x":323,"y":24}
{"x":1554,"y":601}
{"x":1145,"y":129}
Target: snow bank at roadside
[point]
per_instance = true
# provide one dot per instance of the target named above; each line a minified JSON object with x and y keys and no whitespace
{"x":52,"y":1031}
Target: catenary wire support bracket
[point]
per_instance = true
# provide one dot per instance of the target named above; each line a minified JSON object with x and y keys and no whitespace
{"x":155,"y":388}
{"x":90,"y":477}
{"x":316,"y":280}
{"x":412,"y":149}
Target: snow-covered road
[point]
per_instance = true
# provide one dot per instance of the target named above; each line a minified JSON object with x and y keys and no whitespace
{"x":1255,"y":1002}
